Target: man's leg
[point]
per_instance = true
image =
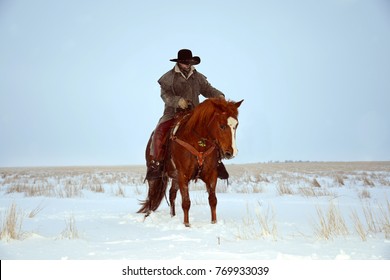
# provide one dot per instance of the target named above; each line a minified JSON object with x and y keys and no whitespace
{"x":157,"y":150}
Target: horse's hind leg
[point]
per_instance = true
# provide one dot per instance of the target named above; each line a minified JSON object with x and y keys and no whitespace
{"x":172,"y":196}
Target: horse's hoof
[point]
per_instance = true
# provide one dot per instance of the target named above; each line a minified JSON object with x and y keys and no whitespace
{"x":214,"y":222}
{"x":187,"y":224}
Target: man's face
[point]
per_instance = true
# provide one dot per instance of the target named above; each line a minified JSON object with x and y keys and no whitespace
{"x":184,"y":66}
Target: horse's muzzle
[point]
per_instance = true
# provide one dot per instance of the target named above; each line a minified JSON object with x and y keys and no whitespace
{"x":228,"y":154}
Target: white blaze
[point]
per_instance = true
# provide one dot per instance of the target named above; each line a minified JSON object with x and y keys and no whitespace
{"x":232,"y":123}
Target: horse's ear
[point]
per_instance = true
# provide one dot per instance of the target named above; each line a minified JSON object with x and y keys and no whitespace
{"x":238,"y":103}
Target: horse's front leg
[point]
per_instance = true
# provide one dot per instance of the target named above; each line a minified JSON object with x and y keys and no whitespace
{"x":172,"y":196}
{"x":212,"y":201}
{"x":186,"y":202}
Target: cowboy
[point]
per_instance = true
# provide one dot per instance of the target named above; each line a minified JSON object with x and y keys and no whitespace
{"x":180,"y":88}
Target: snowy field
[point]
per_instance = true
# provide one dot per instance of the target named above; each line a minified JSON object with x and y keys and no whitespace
{"x":268,"y":211}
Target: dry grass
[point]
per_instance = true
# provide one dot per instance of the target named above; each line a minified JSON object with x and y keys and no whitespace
{"x":250,"y":189}
{"x":359,"y":227}
{"x":339,"y":180}
{"x":68,"y":191}
{"x":120,"y":192}
{"x":364,"y":194}
{"x":67,"y":182}
{"x":385,"y":218}
{"x":307,"y":192}
{"x":305,"y":179}
{"x":284,"y":189}
{"x":315,"y":192}
{"x":40,"y":189}
{"x":12,"y":223}
{"x":258,"y":226}
{"x":138,"y":190}
{"x":315,"y":183}
{"x":35,"y":211}
{"x":70,"y":231}
{"x":331,"y":223}
{"x":222,"y":186}
{"x":72,"y":181}
{"x":376,"y":220}
{"x":341,"y":173}
{"x":367,"y":182}
{"x":371,"y":218}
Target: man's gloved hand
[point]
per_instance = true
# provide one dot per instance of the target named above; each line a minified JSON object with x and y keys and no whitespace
{"x":183,"y":104}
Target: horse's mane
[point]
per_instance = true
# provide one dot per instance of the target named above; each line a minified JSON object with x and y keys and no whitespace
{"x":203,"y":113}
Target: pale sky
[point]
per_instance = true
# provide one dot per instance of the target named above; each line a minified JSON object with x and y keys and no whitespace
{"x":78,"y":79}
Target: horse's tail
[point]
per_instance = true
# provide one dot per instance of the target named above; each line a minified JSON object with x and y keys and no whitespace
{"x":156,"y":193}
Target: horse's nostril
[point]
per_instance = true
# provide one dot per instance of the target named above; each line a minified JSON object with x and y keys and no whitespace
{"x":228,"y":155}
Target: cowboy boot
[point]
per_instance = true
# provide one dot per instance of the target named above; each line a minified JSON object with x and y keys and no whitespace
{"x":155,"y":166}
{"x":222,"y":172}
{"x":154,"y":170}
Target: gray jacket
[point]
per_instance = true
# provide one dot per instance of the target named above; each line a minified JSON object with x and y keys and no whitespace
{"x":174,"y":85}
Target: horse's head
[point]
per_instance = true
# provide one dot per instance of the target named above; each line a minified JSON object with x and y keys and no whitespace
{"x":223,"y":125}
{"x":217,"y":119}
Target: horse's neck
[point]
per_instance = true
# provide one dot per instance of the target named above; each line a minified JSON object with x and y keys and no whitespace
{"x":197,"y":137}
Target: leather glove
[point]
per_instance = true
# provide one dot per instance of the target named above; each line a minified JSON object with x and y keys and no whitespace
{"x":183,"y":104}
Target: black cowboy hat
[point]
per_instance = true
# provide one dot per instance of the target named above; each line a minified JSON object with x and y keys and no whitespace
{"x":185,"y":56}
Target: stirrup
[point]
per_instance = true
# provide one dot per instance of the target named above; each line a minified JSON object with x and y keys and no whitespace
{"x":222,"y":172}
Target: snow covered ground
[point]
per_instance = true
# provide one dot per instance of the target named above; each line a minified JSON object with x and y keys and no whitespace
{"x":267,"y":211}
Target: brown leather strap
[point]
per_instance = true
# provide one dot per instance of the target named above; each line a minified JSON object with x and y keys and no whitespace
{"x":199,"y":155}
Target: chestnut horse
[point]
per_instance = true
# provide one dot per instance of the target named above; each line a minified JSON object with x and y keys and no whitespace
{"x":197,"y":142}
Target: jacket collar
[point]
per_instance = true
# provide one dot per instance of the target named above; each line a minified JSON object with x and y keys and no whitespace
{"x":177,"y":70}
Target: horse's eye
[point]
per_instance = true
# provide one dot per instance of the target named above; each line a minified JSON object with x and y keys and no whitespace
{"x":223,"y":126}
